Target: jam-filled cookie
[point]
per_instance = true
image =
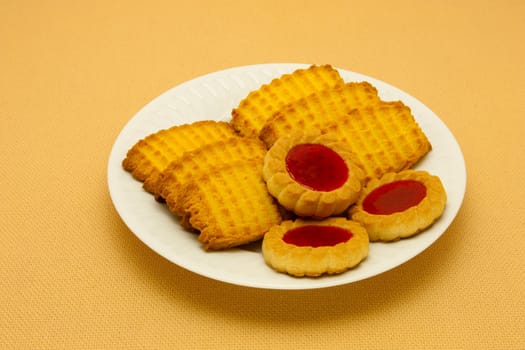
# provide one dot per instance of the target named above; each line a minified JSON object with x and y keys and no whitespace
{"x":399,"y":205}
{"x":312,"y":174}
{"x":312,"y":248}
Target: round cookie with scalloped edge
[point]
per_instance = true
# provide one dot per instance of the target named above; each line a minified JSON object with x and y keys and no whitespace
{"x":315,"y":247}
{"x":399,"y":205}
{"x":312,"y":174}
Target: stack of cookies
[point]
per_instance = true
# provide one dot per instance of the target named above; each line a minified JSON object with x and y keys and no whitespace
{"x":210,"y":174}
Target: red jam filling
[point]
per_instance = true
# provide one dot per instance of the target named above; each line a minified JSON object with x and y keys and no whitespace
{"x":317,"y":236}
{"x":394,"y":197}
{"x":316,"y":167}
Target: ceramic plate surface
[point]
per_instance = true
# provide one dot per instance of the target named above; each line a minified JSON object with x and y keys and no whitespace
{"x":213,"y":96}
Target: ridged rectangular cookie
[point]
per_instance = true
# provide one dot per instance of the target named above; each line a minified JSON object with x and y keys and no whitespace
{"x":253,"y":111}
{"x":318,"y":109}
{"x":385,"y":137}
{"x":153,"y":154}
{"x":203,"y":161}
{"x":230,"y":206}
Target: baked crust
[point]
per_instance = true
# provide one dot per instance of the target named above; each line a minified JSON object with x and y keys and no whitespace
{"x":318,"y":110}
{"x":315,"y":261}
{"x":255,"y":109}
{"x":229,"y":206}
{"x":404,"y":223}
{"x":203,"y":161}
{"x":149,"y":156}
{"x":302,"y":200}
{"x":385,"y":137}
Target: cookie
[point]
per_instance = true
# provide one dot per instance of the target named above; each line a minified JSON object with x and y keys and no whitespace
{"x":313,"y":248}
{"x":318,"y":109}
{"x":385,"y":137}
{"x":312,"y":174}
{"x":253,"y":111}
{"x":230,"y":206}
{"x":399,"y":205}
{"x":203,"y":161}
{"x":149,"y":156}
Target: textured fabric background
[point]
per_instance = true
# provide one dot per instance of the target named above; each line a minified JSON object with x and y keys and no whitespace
{"x":72,"y":73}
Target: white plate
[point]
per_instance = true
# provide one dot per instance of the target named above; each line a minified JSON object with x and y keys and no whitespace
{"x":213,"y":96}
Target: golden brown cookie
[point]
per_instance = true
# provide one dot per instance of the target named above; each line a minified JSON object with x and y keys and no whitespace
{"x":312,"y":174}
{"x":149,"y":156}
{"x":318,"y":109}
{"x":400,"y":204}
{"x":253,"y":111}
{"x":202,"y":161}
{"x":312,"y":248}
{"x":230,"y":206}
{"x":385,"y":137}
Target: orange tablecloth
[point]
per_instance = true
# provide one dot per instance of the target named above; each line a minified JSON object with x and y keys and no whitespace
{"x":72,"y":73}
